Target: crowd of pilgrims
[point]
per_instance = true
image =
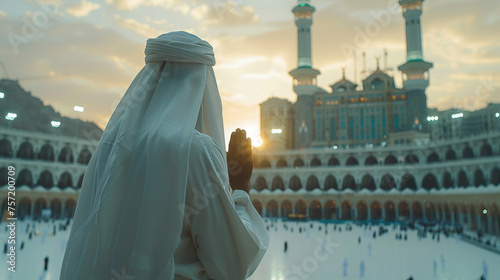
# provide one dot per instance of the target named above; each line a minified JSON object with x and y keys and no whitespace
{"x":32,"y":232}
{"x":424,"y":230}
{"x":375,"y":230}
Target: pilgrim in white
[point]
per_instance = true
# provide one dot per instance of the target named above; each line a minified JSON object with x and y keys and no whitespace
{"x":158,"y":200}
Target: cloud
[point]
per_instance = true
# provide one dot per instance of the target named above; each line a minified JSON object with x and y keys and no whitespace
{"x":174,"y":5}
{"x":142,"y":29}
{"x":83,"y":9}
{"x":224,"y":13}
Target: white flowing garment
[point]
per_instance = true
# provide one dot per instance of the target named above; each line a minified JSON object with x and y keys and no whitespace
{"x":155,"y":201}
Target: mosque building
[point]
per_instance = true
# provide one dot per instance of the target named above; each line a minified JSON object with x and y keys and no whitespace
{"x":375,"y":151}
{"x":375,"y":113}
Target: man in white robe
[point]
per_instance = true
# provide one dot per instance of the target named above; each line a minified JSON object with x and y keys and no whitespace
{"x":157,"y":199}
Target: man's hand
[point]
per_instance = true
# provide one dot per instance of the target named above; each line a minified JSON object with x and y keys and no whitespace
{"x":239,"y":160}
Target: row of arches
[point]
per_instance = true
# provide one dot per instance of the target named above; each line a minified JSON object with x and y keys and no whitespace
{"x":477,"y":217}
{"x":46,"y":153}
{"x":385,"y":182}
{"x":449,"y":155}
{"x":45,"y":179}
{"x":27,"y":208}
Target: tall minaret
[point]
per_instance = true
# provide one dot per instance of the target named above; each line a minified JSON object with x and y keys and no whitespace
{"x":415,"y":70}
{"x":304,"y":77}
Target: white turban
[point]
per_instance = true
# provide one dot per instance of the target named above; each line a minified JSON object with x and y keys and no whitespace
{"x":130,"y":209}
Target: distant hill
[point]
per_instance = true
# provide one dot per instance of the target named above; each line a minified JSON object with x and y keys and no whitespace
{"x":33,"y":115}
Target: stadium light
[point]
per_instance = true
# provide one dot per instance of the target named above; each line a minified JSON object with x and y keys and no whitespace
{"x":78,"y":108}
{"x":2,"y":95}
{"x":276,"y":131}
{"x":55,"y":124}
{"x":11,"y":116}
{"x":497,"y":115}
{"x":456,"y":116}
{"x":432,"y":118}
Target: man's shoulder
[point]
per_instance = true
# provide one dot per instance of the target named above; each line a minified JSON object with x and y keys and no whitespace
{"x":204,"y":145}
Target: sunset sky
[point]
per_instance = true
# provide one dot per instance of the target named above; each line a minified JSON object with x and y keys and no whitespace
{"x":74,"y":52}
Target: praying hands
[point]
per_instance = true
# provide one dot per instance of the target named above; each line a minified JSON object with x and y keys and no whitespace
{"x":239,"y":160}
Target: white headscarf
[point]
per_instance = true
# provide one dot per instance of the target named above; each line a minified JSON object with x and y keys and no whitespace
{"x":130,"y":209}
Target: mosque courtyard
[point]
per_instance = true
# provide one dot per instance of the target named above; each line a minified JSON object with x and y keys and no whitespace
{"x":315,"y":251}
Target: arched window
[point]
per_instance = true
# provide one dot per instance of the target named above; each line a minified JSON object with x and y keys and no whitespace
{"x":295,"y":183}
{"x":260,"y":183}
{"x":55,"y":207}
{"x":6,"y":148}
{"x":494,"y":177}
{"x":25,"y":178}
{"x":312,"y":183}
{"x":390,"y":211}
{"x":368,"y":183}
{"x":84,"y":156}
{"x":66,"y":155}
{"x":411,"y":159}
{"x":40,"y":204}
{"x":341,"y":89}
{"x":272,"y":209}
{"x":387,"y":182}
{"x":265,"y":164}
{"x":281,"y":163}
{"x":404,"y":210}
{"x":447,"y":181}
{"x":346,"y":210}
{"x":26,"y":151}
{"x":333,"y":161}
{"x":467,"y":152}
{"x":331,"y":183}
{"x":433,"y":158}
{"x":69,"y":208}
{"x":417,"y":211}
{"x":376,"y":210}
{"x":298,"y":163}
{"x":408,"y":182}
{"x":371,"y":160}
{"x":278,"y":184}
{"x":463,"y":181}
{"x":450,"y":155}
{"x":351,"y":161}
{"x":362,"y":210}
{"x":46,"y":179}
{"x":486,"y":150}
{"x":46,"y":153}
{"x":65,"y":181}
{"x":479,"y":178}
{"x":300,"y":207}
{"x":430,"y":182}
{"x":390,"y":159}
{"x":286,"y":208}
{"x":315,"y":162}
{"x":330,"y":210}
{"x":315,"y":210}
{"x":349,"y":183}
{"x":377,"y":84}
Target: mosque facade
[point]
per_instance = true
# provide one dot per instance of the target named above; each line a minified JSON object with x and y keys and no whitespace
{"x":343,"y":154}
{"x":376,"y":153}
{"x":375,"y":113}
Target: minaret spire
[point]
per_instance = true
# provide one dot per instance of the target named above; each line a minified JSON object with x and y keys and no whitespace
{"x":304,"y":76}
{"x":416,"y":69}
